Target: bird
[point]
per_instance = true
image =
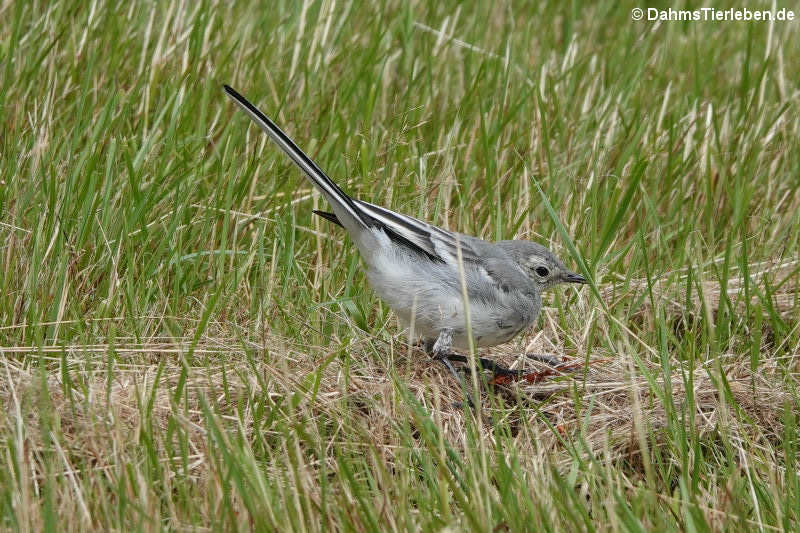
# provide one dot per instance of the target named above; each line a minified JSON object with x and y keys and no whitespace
{"x":450,"y":289}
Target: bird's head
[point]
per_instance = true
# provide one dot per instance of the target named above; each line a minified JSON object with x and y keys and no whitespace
{"x":540,"y":264}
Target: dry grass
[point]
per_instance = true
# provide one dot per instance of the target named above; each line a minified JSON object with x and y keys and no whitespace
{"x":624,"y":411}
{"x":614,"y":407}
{"x":781,"y":277}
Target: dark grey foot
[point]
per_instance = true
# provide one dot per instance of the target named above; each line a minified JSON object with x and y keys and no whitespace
{"x":550,"y":360}
{"x":487,"y":364}
{"x":446,"y":361}
{"x":449,"y":365}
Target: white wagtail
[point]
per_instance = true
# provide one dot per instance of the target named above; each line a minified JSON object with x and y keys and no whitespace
{"x":424,"y":272}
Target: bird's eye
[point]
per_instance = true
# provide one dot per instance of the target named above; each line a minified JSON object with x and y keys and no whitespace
{"x":542,"y":272}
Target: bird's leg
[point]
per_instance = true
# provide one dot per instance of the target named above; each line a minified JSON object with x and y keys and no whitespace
{"x":550,"y":360}
{"x":487,"y":364}
{"x":440,"y":350}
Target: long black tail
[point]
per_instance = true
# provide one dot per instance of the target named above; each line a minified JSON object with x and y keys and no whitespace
{"x":344,"y":206}
{"x":346,"y":211}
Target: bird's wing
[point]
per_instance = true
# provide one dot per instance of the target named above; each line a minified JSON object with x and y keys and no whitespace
{"x":435,"y":241}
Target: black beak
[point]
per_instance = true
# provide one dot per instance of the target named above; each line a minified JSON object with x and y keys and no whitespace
{"x":572,"y":277}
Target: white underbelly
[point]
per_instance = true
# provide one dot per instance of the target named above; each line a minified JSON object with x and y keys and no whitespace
{"x":490,"y":323}
{"x":427,"y":301}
